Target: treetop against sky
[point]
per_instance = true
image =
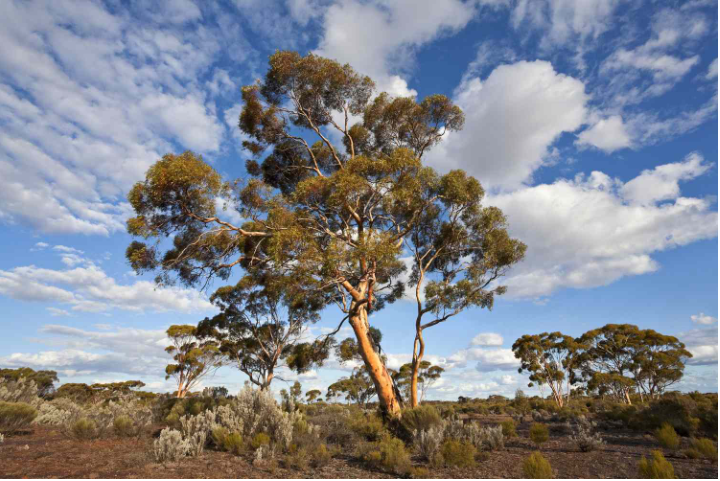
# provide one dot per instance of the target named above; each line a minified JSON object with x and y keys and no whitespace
{"x":592,"y":126}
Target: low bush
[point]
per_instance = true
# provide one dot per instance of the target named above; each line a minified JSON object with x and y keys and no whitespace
{"x":260,"y":440}
{"x":170,"y":446}
{"x":420,"y":418}
{"x":427,"y":443}
{"x":539,"y":433}
{"x":123,"y":426}
{"x":419,"y":472}
{"x":667,"y":437}
{"x":679,"y":411}
{"x":389,"y":454}
{"x":508,"y":428}
{"x":84,"y":428}
{"x":230,"y":442}
{"x":370,"y":427}
{"x":458,"y":453}
{"x":705,"y":447}
{"x":320,"y":455}
{"x":585,"y":439}
{"x":656,"y":468}
{"x":692,"y":453}
{"x":537,"y":467}
{"x":16,"y":415}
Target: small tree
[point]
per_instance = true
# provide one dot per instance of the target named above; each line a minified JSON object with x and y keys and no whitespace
{"x":428,"y":374}
{"x":659,"y":362}
{"x":357,"y":388}
{"x":261,"y":326}
{"x":312,"y":395}
{"x":296,"y":391}
{"x":193,"y":359}
{"x":551,"y":359}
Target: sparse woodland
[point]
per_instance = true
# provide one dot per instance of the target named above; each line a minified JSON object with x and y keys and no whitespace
{"x":337,"y":195}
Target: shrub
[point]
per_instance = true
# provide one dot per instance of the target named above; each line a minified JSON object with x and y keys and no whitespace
{"x":19,"y":391}
{"x":539,"y":433}
{"x":705,"y":447}
{"x":692,"y":453}
{"x":297,"y":460}
{"x":427,"y":443}
{"x":320,"y":455}
{"x":255,"y":411}
{"x":16,"y":415}
{"x":419,"y":472}
{"x":260,"y":440}
{"x":537,"y":467}
{"x":508,"y":428}
{"x":371,"y":427}
{"x":84,"y":428}
{"x":195,"y":430}
{"x":585,"y":439}
{"x":489,"y":438}
{"x":667,"y":437}
{"x":656,"y":468}
{"x":677,"y":410}
{"x":458,"y":453}
{"x":420,"y":418}
{"x":123,"y":426}
{"x":170,"y":446}
{"x":390,"y":455}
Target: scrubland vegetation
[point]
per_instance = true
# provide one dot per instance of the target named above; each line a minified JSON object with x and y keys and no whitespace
{"x":122,"y":431}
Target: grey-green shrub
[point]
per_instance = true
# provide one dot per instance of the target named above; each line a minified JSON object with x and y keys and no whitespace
{"x":585,"y":439}
{"x":19,"y":391}
{"x":427,"y":443}
{"x":16,"y":415}
{"x":195,"y":431}
{"x":170,"y":446}
{"x":458,"y":453}
{"x":656,"y":468}
{"x":537,"y":467}
{"x":420,"y":418}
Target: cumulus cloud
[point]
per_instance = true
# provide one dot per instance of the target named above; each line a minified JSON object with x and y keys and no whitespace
{"x":90,"y":289}
{"x":386,"y":50}
{"x":487,"y":339}
{"x":595,"y":229}
{"x":702,"y":318}
{"x":702,"y":344}
{"x":512,"y":119}
{"x":88,"y":102}
{"x":608,"y":135}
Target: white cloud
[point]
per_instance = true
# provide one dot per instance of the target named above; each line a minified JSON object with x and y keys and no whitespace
{"x":608,"y":135}
{"x":488,"y":359}
{"x":89,"y":102}
{"x":663,"y":182}
{"x":702,"y":318}
{"x":55,"y":312}
{"x":702,"y":344}
{"x":712,"y":72}
{"x":590,"y":235}
{"x":512,"y":119}
{"x":487,"y":339}
{"x":386,"y":49}
{"x":90,"y":289}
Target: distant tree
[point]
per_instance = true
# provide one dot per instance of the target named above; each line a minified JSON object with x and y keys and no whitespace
{"x":620,"y":358}
{"x":98,"y":392}
{"x":357,"y":388}
{"x":335,"y":220}
{"x":296,"y":391}
{"x":659,"y":362}
{"x":428,"y":375}
{"x":312,"y":395}
{"x":551,"y":359}
{"x":261,"y":326}
{"x":194,"y":359}
{"x":44,"y":380}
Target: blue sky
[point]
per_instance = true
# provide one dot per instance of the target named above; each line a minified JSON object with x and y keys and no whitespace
{"x":593,"y":125}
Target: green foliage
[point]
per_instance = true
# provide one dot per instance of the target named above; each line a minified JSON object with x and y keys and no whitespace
{"x":539,"y":433}
{"x":320,"y":455}
{"x":705,"y":447}
{"x":124,"y":426}
{"x":656,"y":468}
{"x":389,"y":454}
{"x":667,"y":437}
{"x":260,"y":440}
{"x":420,"y":418}
{"x":419,"y":472}
{"x":193,"y":359}
{"x":536,"y":466}
{"x":84,"y":428}
{"x":14,"y":416}
{"x":369,"y":426}
{"x":230,"y":442}
{"x":427,"y":376}
{"x":508,"y":428}
{"x":358,"y":387}
{"x":458,"y":453}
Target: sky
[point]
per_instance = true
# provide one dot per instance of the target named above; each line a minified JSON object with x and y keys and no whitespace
{"x":592,"y":124}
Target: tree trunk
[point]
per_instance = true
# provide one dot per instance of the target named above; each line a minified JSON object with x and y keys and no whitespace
{"x":418,"y":353}
{"x":376,"y":368}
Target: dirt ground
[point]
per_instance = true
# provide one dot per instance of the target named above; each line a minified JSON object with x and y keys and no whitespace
{"x":42,"y":453}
